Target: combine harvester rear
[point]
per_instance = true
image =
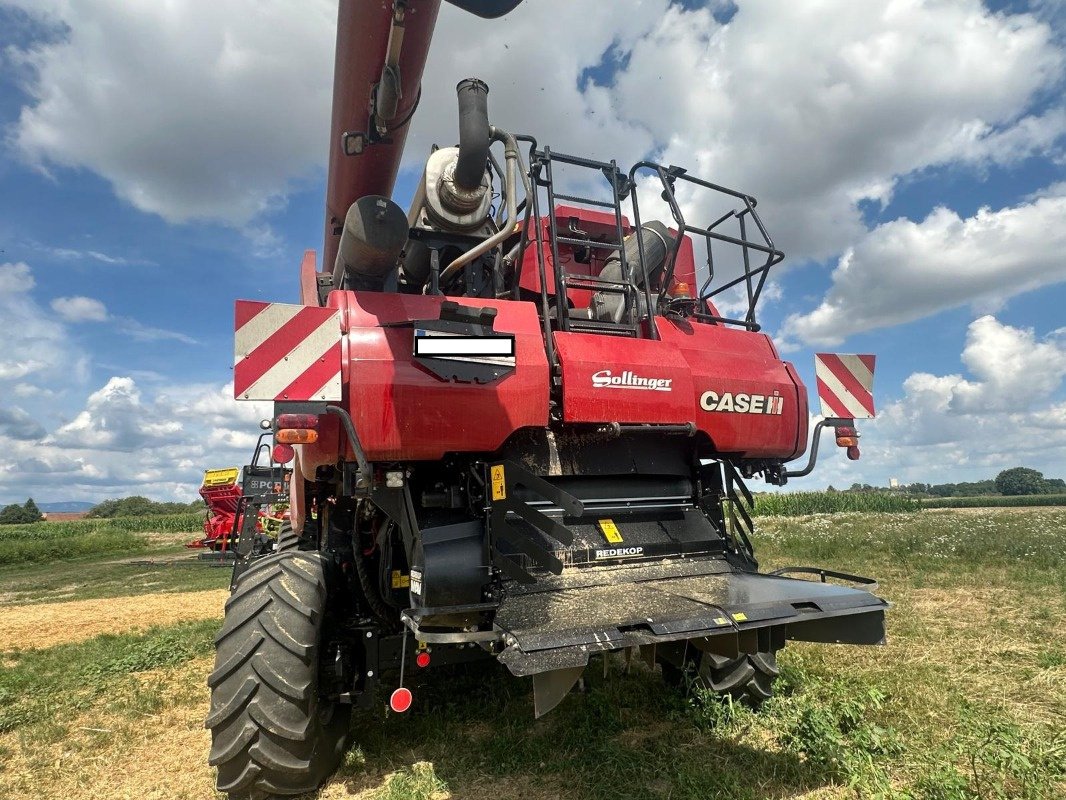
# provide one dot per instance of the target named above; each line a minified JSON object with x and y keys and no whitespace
{"x":517,"y":432}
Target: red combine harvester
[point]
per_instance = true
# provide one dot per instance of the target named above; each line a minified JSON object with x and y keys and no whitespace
{"x":518,"y":430}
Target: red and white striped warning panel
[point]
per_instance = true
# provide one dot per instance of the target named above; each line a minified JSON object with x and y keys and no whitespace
{"x":286,"y":352}
{"x":845,"y":385}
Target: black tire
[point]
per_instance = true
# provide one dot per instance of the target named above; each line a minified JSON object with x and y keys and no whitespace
{"x":287,"y":538}
{"x":748,"y":678}
{"x":271,"y":734}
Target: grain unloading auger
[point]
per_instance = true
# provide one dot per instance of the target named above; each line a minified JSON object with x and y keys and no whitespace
{"x":517,"y":431}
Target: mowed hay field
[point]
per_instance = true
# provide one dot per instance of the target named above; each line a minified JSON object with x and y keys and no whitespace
{"x":967,"y":700}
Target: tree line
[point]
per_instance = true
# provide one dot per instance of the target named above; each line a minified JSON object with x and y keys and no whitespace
{"x":1010,"y":482}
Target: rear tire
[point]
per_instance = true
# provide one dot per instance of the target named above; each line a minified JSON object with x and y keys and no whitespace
{"x":271,"y":733}
{"x":748,"y":678}
{"x":287,"y":538}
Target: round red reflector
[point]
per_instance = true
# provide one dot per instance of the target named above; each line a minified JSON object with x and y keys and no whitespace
{"x":853,"y":453}
{"x":422,"y":659}
{"x":283,"y":453}
{"x":401,"y":699}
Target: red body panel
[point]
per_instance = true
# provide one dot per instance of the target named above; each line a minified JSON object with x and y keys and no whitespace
{"x":402,"y":411}
{"x":695,"y":358}
{"x":600,"y":226}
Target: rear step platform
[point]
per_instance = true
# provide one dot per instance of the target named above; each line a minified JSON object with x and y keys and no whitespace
{"x":723,"y":609}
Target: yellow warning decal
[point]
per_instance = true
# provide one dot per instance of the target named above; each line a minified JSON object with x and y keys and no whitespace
{"x":740,"y":616}
{"x":499,"y":492}
{"x":721,"y":621}
{"x":610,"y":531}
{"x":221,"y":477}
{"x":399,"y":580}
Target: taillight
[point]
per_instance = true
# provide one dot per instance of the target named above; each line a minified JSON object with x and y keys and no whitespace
{"x":306,"y":422}
{"x":295,"y":436}
{"x":282,"y":454}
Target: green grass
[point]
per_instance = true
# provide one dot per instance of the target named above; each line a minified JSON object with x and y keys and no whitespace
{"x":996,"y":501}
{"x":52,"y":541}
{"x":53,"y":684}
{"x":790,"y":504}
{"x":964,"y":703}
{"x":1028,"y":544}
{"x":85,"y":579}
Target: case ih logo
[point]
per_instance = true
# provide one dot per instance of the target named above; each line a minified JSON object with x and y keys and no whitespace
{"x":742,"y":403}
{"x":605,"y":379}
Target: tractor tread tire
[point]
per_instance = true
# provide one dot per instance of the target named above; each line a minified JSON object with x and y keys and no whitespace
{"x":287,"y":538}
{"x":270,"y":734}
{"x":748,"y":678}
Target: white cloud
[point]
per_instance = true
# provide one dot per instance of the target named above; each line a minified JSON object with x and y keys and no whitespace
{"x":1005,"y":413}
{"x":87,"y":309}
{"x":192,"y":110}
{"x":903,"y":270}
{"x":35,"y":344}
{"x":80,"y":309}
{"x":115,"y":419}
{"x":126,"y":440}
{"x":196,"y":110}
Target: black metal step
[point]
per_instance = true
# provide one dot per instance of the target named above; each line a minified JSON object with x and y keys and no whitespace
{"x":606,"y":328}
{"x":594,"y":284}
{"x":587,"y":243}
{"x":585,"y":201}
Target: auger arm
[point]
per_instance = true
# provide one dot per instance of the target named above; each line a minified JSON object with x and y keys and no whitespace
{"x":381,"y":55}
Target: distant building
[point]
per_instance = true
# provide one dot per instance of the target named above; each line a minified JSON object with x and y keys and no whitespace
{"x":893,"y":483}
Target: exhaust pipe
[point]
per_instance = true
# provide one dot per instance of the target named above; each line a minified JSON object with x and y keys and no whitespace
{"x":473,"y":133}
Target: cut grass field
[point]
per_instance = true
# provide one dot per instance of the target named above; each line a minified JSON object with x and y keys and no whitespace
{"x":966,"y":701}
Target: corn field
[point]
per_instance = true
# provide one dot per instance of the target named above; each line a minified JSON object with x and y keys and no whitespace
{"x":796,"y":504}
{"x":995,"y":501}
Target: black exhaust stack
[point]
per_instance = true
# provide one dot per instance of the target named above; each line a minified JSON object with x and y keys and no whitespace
{"x":473,"y":133}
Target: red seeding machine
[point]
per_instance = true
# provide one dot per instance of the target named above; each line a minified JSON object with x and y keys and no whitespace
{"x":226,"y":504}
{"x":518,"y":427}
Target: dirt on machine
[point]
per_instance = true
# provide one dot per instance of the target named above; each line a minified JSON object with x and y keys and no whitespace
{"x":512,"y":424}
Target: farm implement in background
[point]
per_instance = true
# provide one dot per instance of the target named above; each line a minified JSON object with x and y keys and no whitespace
{"x":228,"y":498}
{"x":519,"y":428}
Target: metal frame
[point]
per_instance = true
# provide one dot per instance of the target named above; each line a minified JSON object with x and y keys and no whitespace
{"x":622,"y":185}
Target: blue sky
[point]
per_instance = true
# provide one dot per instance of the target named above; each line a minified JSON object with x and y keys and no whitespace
{"x":908,"y":157}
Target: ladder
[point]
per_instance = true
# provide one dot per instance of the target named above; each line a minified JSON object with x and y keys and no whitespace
{"x":541,"y":171}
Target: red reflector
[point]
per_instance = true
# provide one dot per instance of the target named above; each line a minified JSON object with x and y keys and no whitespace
{"x":282,"y":454}
{"x":301,"y":421}
{"x":422,"y":659}
{"x":853,"y":453}
{"x":401,"y":699}
{"x":846,"y":432}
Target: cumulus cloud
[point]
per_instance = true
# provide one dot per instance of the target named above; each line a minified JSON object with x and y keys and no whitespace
{"x":1006,"y":411}
{"x":79,"y":309}
{"x":17,"y":424}
{"x":191,"y":110}
{"x":127,"y":440}
{"x":114,"y":418}
{"x":905,"y":270}
{"x":35,"y":344}
{"x":211,"y":111}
